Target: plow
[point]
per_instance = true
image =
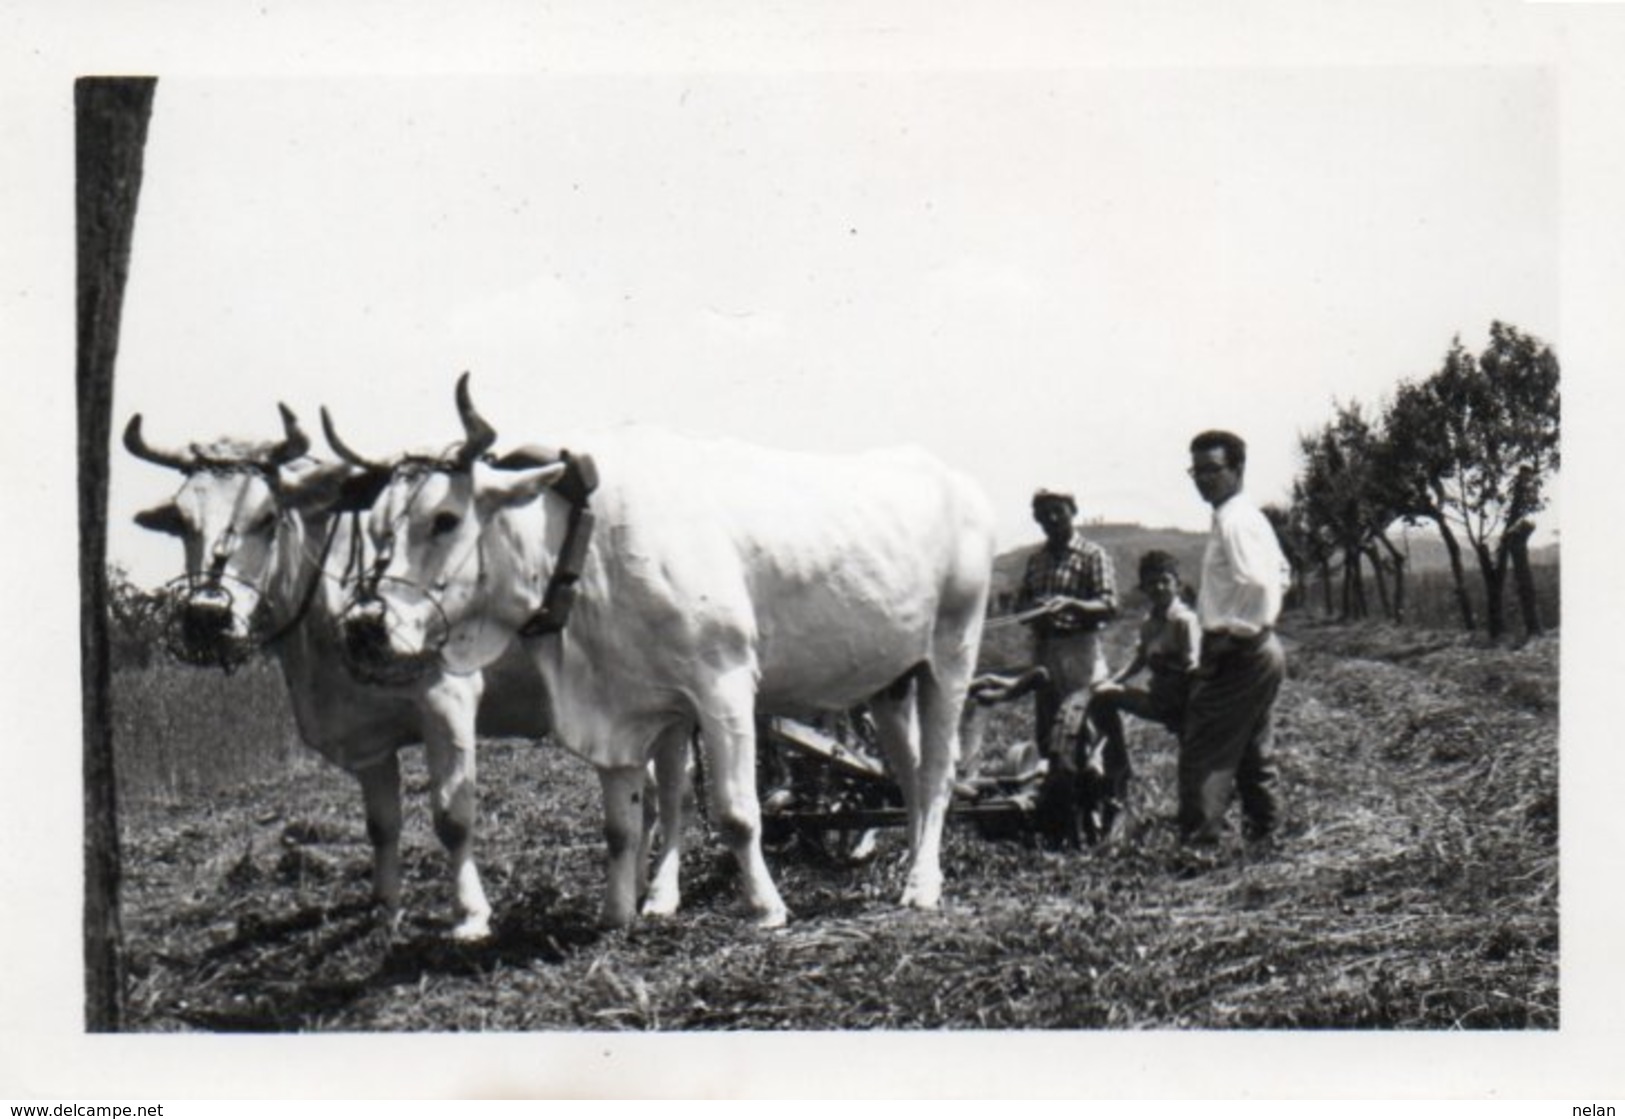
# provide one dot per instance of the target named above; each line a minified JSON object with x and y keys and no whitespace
{"x":824,"y":786}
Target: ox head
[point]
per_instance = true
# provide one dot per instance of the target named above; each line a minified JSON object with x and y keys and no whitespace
{"x":228,"y":513}
{"x":417,"y":605}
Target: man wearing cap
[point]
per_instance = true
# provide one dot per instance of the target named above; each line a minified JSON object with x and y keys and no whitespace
{"x":1070,"y":590}
{"x":1229,"y":719}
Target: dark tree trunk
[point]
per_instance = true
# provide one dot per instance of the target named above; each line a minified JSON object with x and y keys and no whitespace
{"x":1494,"y":570}
{"x":111,"y":130}
{"x":1397,"y":559}
{"x":1353,"y":585}
{"x":1294,"y":596}
{"x":1515,"y":544}
{"x":1326,"y":586}
{"x":1375,"y":557}
{"x":1458,"y":573}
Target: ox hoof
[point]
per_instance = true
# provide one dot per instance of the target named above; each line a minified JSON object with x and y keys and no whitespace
{"x":471,"y":929}
{"x":660,"y":905}
{"x":775,"y":918}
{"x":609,"y":919}
{"x":922,"y":895}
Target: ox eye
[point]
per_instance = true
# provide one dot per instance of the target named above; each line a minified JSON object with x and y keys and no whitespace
{"x":265,"y":523}
{"x":444,"y":523}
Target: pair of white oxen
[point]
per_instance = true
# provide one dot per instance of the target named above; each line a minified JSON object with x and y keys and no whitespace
{"x":697,"y":583}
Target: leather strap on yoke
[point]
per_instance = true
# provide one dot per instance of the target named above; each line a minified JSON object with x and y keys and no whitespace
{"x":575,"y":486}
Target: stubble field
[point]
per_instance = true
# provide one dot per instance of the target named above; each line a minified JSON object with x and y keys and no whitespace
{"x":1415,"y":885}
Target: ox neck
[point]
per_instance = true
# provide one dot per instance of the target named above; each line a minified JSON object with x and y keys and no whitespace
{"x":301,"y":570}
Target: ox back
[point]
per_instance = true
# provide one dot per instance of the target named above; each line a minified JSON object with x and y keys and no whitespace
{"x":830,"y":577}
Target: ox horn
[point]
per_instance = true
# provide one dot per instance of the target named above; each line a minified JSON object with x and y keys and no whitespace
{"x":339,"y":447}
{"x":137,"y":446}
{"x":479,"y":434}
{"x":294,"y":443}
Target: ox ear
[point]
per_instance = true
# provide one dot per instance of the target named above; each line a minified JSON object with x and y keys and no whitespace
{"x":505,"y":489}
{"x":165,"y":518}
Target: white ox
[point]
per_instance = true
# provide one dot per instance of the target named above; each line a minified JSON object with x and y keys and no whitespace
{"x":263,"y":567}
{"x":720,"y":579}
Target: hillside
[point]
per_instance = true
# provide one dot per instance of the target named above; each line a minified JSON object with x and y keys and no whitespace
{"x":1426,"y":551}
{"x":1125,"y":542}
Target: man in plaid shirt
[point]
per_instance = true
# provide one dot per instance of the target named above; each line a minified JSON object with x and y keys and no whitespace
{"x":1071,"y":581}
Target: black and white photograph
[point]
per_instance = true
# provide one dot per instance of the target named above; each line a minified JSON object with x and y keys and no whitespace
{"x":999,"y":552}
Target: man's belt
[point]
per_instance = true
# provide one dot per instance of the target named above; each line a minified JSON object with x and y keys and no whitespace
{"x":1073,"y":631}
{"x":1243,"y":641}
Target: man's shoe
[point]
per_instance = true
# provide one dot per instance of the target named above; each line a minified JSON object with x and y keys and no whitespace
{"x":1193,"y":862}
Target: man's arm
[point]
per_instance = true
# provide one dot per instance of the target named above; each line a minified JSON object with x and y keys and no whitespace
{"x":1191,"y":627}
{"x":1097,"y":609}
{"x":1256,"y":565}
{"x":1098,"y":600}
{"x":1123,"y":675}
{"x":1025,"y":597}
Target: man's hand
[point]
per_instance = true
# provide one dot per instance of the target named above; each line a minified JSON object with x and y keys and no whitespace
{"x":1065,"y":609}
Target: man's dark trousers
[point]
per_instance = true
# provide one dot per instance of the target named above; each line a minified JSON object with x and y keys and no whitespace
{"x":1229,"y":729}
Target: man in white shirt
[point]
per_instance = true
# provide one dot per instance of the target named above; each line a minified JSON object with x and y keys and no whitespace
{"x":1229,"y":721}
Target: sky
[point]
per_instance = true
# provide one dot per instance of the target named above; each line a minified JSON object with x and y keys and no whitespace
{"x":1047,"y":277}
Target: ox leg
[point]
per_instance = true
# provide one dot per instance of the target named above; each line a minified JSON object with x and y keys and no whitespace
{"x":898,"y":734}
{"x":939,"y":710}
{"x":650,"y":800}
{"x":728,"y":736}
{"x":449,"y":743}
{"x":381,"y":791}
{"x":623,"y":834}
{"x":672,"y":785}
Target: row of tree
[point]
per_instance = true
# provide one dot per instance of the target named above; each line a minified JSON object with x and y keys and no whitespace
{"x":1469,"y":450}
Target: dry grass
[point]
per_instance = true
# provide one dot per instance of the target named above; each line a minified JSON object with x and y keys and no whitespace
{"x":183,"y":732}
{"x":1432,"y":598}
{"x":1415,"y":887}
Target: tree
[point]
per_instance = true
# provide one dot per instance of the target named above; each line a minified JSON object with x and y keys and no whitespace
{"x":1471,"y":448}
{"x":1412,"y":466}
{"x":1339,"y":500}
{"x":1280,"y":519}
{"x":110,"y":126}
{"x":1314,"y":542}
{"x":1327,"y":508}
{"x":1525,"y":377}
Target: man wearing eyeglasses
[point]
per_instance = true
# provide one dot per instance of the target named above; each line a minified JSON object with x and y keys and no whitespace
{"x":1069,"y":592}
{"x":1229,"y":721}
